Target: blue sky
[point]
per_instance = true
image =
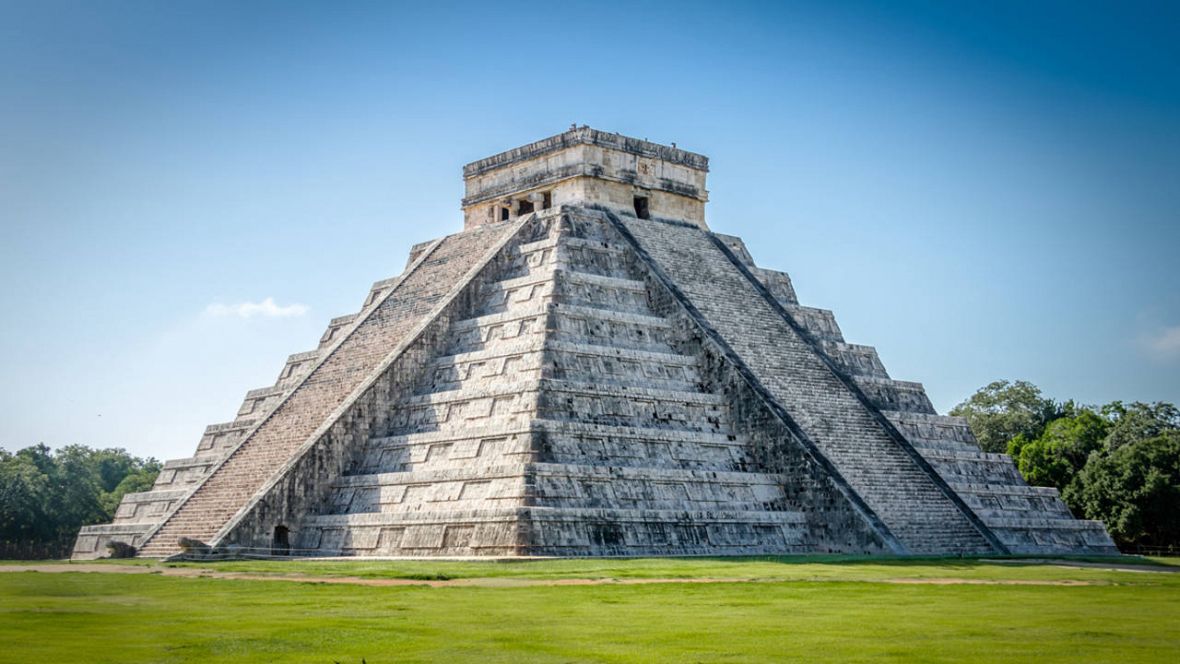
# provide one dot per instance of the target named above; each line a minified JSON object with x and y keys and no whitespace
{"x":981,"y":190}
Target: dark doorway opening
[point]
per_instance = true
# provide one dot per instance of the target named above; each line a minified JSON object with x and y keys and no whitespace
{"x":524,"y":208}
{"x":641,"y":207}
{"x":504,"y":214}
{"x":546,"y":201}
{"x":280,"y":544}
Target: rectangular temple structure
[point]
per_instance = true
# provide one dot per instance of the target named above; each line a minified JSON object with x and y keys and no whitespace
{"x":587,"y":166}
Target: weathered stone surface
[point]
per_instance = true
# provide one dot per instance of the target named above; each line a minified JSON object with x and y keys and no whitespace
{"x":584,"y":165}
{"x":579,"y":380}
{"x":118,"y":549}
{"x":311,"y":404}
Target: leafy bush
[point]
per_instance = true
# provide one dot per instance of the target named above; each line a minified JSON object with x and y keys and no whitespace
{"x":1119,"y":463}
{"x":46,"y":496}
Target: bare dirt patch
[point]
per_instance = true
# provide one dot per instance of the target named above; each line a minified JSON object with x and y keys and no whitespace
{"x":1086,"y":564}
{"x":989,"y":582}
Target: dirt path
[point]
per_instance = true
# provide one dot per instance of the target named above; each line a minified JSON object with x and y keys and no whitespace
{"x":497,"y":582}
{"x":1114,"y":567}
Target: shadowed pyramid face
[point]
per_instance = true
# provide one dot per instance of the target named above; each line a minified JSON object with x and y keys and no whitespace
{"x":593,"y":376}
{"x":584,"y":166}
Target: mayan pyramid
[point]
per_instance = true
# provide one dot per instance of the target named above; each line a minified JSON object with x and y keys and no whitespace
{"x":587,"y":369}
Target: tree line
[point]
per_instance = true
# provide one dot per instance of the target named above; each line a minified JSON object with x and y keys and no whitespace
{"x":47,"y":495}
{"x":1118,"y":463}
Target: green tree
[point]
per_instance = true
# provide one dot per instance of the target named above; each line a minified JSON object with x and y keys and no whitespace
{"x":1139,"y":421}
{"x":24,"y":488}
{"x":75,"y":498}
{"x":46,"y":495}
{"x":1056,"y":456}
{"x":1119,"y":463}
{"x":1003,"y":410}
{"x":136,"y":480}
{"x":1042,"y":464}
{"x":1135,"y":490}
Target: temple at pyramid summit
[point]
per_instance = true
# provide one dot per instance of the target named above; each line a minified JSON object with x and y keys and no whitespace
{"x":588,"y":370}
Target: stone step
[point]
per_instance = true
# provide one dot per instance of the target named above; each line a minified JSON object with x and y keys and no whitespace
{"x":379,"y":290}
{"x":959,"y":454}
{"x":337,"y":328}
{"x":943,"y":446}
{"x":516,"y":324}
{"x":895,"y":395}
{"x":513,"y":361}
{"x":220,"y":438}
{"x":531,"y":358}
{"x":353,"y":357}
{"x":621,"y":366}
{"x":557,"y":441}
{"x":572,"y":243}
{"x":472,"y":433}
{"x":260,"y":401}
{"x":821,"y":323}
{"x":548,"y":280}
{"x":183,"y":473}
{"x":1009,"y":500}
{"x":189,"y":462}
{"x":927,"y":430}
{"x":584,"y":443}
{"x":558,"y":270}
{"x":558,"y":485}
{"x":958,"y":465}
{"x":447,"y":517}
{"x":564,"y":469}
{"x":1046,"y":523}
{"x":616,"y":329}
{"x":571,"y":323}
{"x":92,"y":540}
{"x":659,"y":434}
{"x":855,"y":359}
{"x":296,"y":366}
{"x":560,"y":399}
{"x":565,"y":427}
{"x":531,"y":290}
{"x":537,"y":344}
{"x":1003,"y":515}
{"x":482,"y":395}
{"x":1004,"y":489}
{"x":595,"y":257}
{"x":778,"y":283}
{"x":575,"y":253}
{"x":147,"y":506}
{"x":557,"y":531}
{"x":794,"y":372}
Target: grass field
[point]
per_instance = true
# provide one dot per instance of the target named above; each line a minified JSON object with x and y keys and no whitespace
{"x":690,"y":610}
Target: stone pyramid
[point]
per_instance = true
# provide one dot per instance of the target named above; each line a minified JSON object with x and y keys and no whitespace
{"x":586,"y":369}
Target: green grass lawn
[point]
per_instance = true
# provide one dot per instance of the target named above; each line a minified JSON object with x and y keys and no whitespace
{"x":799,"y":609}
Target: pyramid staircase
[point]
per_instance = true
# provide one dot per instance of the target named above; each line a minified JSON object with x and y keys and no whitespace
{"x":298,"y":420}
{"x":1024,"y":519}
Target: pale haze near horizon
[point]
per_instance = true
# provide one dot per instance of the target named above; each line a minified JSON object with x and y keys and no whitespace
{"x":189,"y":193}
